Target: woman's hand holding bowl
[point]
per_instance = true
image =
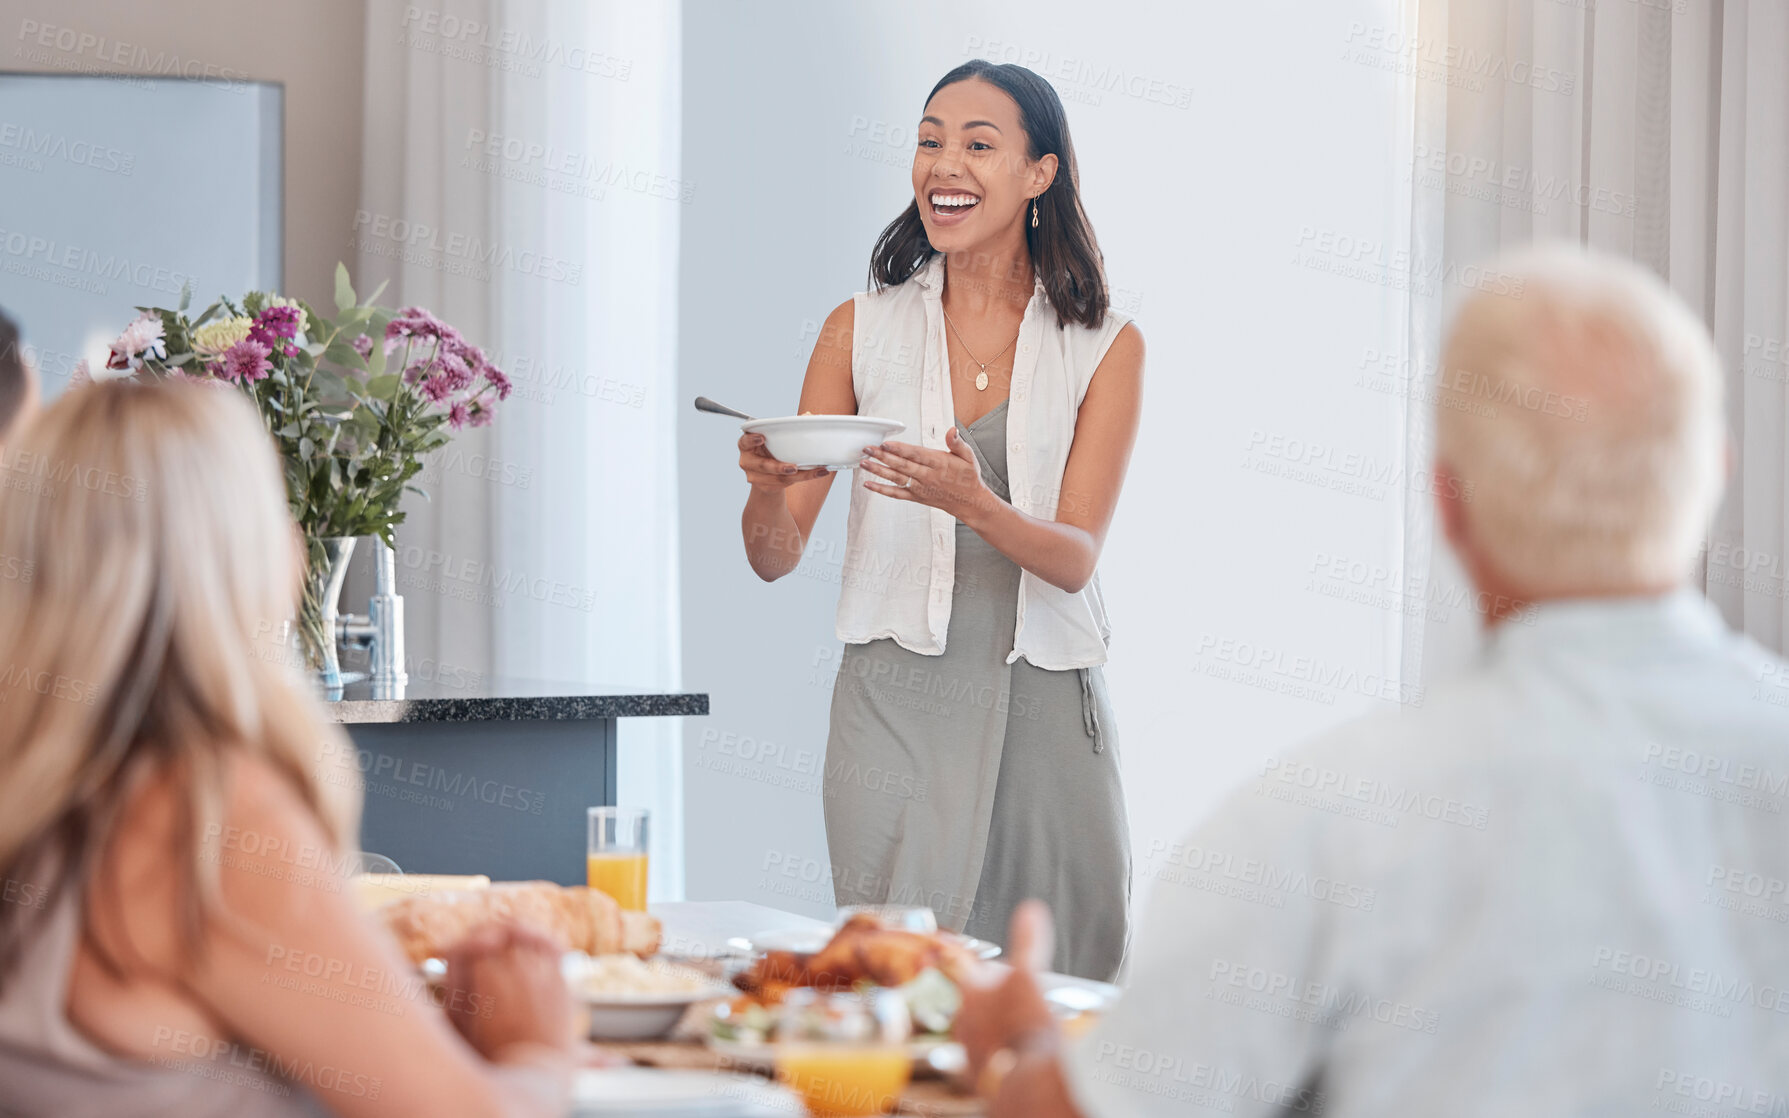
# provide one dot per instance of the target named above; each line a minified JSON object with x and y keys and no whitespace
{"x":767,"y":474}
{"x":947,"y":479}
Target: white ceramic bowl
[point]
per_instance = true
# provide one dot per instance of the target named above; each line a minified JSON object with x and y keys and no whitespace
{"x":634,"y":1016}
{"x":833,"y":441}
{"x":640,"y":1016}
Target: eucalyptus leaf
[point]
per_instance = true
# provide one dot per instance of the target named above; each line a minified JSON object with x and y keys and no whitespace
{"x":344,"y":291}
{"x":384,"y":387}
{"x":342,"y":353}
{"x":351,"y":319}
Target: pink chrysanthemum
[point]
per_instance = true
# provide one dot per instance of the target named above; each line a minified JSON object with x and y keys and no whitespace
{"x":482,"y":414}
{"x":457,"y":379}
{"x":471,"y":354}
{"x":363,"y":345}
{"x":458,"y":416}
{"x":496,"y":377}
{"x":246,"y":362}
{"x":436,"y":388}
{"x":400,"y":331}
{"x":450,"y":359}
{"x":416,"y":324}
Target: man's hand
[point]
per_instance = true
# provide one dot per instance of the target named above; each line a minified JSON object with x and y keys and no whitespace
{"x":1008,"y":1030}
{"x":1003,"y":1007}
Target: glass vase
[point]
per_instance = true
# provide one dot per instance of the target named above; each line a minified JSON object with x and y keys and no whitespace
{"x":318,"y":614}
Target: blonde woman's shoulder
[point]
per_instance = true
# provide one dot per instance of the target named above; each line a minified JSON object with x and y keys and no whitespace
{"x":255,"y":838}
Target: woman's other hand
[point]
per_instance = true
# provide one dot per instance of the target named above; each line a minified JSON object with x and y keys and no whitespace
{"x":767,"y":474}
{"x":948,"y":479}
{"x":504,"y":988}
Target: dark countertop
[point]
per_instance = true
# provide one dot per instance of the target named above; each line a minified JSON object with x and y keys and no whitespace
{"x":473,"y":699}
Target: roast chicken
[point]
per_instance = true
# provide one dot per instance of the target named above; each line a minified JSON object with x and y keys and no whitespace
{"x":864,"y":949}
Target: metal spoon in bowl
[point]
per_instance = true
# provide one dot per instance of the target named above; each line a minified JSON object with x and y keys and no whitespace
{"x":703,"y":403}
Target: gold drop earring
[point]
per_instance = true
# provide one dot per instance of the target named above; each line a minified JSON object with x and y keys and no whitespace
{"x":1034,"y":213}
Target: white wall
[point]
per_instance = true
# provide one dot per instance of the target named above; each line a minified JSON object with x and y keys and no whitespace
{"x":1225,"y":224}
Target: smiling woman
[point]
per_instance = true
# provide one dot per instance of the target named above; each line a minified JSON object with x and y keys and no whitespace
{"x":1059,"y":239}
{"x":974,"y":627}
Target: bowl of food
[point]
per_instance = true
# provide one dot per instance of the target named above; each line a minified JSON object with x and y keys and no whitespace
{"x":628,"y":998}
{"x":833,"y":441}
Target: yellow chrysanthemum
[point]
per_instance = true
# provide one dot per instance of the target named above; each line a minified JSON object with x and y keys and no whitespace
{"x":214,"y":338}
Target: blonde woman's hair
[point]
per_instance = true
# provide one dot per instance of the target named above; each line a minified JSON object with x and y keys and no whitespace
{"x":145,"y":545}
{"x":1583,"y":413}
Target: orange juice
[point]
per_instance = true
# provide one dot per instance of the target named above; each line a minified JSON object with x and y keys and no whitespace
{"x":844,"y":1081}
{"x":1080,"y":1023}
{"x":622,"y":876}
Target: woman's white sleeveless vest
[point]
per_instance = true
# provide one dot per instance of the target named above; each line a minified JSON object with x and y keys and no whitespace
{"x":900,"y":556}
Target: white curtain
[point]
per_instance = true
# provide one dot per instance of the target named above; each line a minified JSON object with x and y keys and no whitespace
{"x":522,"y":181}
{"x":1658,"y":130}
{"x":1733,"y":178}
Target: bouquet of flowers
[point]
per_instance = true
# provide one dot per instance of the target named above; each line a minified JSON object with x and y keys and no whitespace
{"x":353,"y":403}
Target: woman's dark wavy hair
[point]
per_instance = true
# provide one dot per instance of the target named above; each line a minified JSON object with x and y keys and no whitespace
{"x":1064,"y":253}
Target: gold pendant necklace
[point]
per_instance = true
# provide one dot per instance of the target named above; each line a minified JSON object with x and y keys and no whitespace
{"x":981,"y":378}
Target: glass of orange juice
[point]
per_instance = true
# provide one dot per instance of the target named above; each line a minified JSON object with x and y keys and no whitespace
{"x":616,"y":854}
{"x":845,"y":1054}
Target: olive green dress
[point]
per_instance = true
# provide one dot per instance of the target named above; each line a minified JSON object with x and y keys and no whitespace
{"x":967,"y":784}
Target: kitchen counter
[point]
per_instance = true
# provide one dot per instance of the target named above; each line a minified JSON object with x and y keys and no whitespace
{"x":507,"y":700}
{"x":471,"y":774}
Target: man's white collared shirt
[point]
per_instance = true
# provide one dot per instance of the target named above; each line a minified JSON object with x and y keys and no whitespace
{"x":1560,"y":887}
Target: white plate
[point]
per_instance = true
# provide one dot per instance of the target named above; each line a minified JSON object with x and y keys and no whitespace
{"x":939,"y":1052}
{"x":803,"y":941}
{"x":615,"y":1092}
{"x":833,"y":441}
{"x":1069,"y":996}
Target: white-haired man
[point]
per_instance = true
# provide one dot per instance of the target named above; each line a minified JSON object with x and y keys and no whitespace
{"x":1558,"y":887}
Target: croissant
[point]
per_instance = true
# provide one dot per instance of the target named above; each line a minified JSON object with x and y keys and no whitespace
{"x":575,"y":917}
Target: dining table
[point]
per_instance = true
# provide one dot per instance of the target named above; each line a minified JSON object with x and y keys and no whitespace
{"x":715,"y":931}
